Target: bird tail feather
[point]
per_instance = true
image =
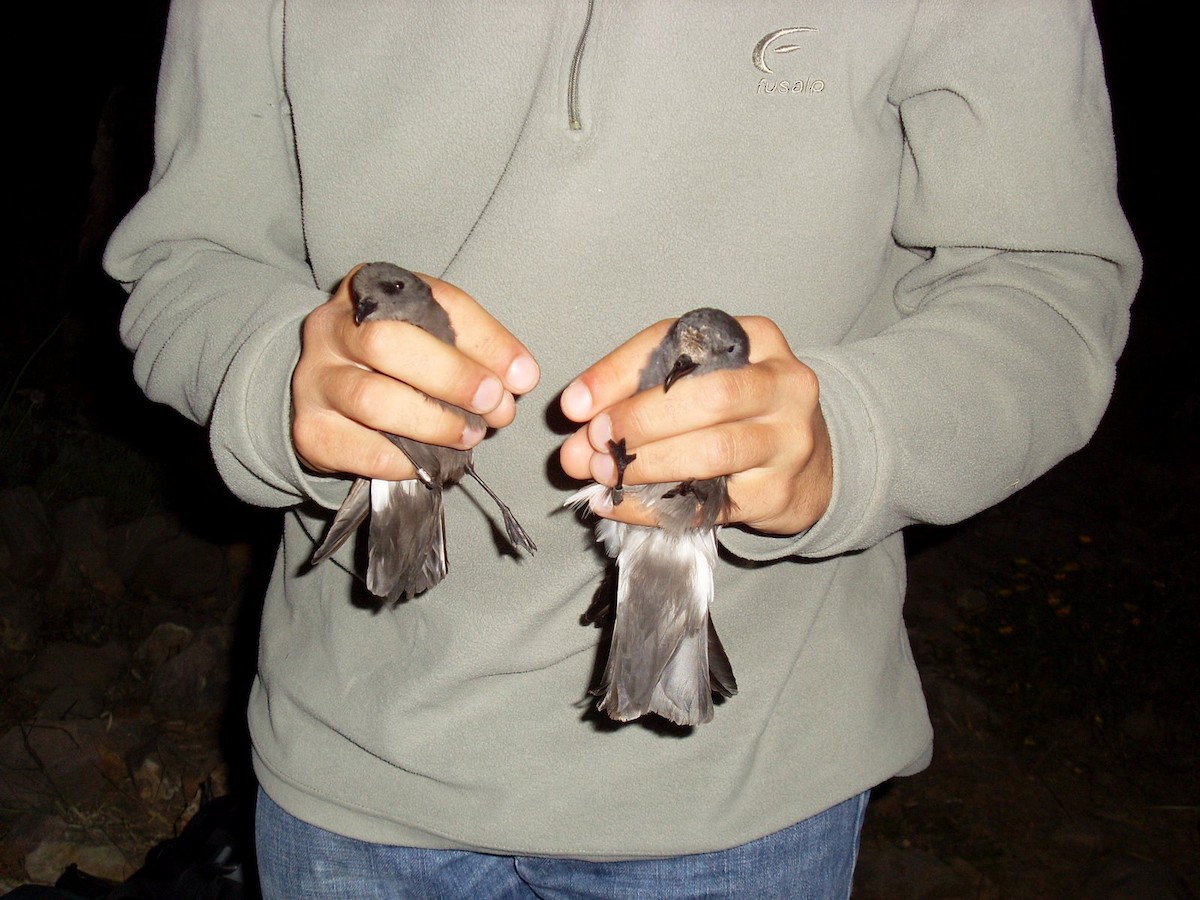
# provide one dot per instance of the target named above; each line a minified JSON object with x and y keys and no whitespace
{"x":662,"y":658}
{"x":407,"y":540}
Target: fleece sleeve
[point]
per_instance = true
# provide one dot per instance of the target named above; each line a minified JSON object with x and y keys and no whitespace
{"x":1004,"y":357}
{"x":214,"y":253}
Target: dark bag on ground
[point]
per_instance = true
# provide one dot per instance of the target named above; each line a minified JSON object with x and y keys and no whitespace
{"x":207,"y":861}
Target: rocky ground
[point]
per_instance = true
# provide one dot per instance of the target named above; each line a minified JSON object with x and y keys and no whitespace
{"x":1054,"y":634}
{"x":121,"y":653}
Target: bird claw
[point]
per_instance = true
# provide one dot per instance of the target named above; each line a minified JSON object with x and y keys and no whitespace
{"x":687,"y":487}
{"x":517,"y":536}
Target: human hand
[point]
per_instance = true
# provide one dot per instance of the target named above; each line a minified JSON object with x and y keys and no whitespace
{"x":353,"y":382}
{"x":760,"y":424}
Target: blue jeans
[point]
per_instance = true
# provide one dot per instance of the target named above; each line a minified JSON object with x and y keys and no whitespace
{"x":812,"y":859}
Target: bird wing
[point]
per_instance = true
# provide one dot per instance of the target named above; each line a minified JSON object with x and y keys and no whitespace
{"x":349,"y":516}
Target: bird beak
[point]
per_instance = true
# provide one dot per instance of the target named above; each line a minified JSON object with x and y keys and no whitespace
{"x":363,"y":307}
{"x":683,"y":365}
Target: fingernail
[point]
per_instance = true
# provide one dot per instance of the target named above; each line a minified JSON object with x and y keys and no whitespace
{"x":523,"y":374}
{"x":576,"y":401}
{"x":603,"y":469}
{"x":488,"y":395}
{"x":473,"y":434}
{"x":600,"y":432}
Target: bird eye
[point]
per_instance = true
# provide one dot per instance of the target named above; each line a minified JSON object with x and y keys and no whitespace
{"x":730,"y":348}
{"x":397,"y":286}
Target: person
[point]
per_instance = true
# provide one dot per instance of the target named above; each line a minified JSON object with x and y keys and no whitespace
{"x":910,"y":206}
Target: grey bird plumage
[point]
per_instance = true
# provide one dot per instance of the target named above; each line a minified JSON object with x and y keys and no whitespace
{"x":407,"y":537}
{"x":665,"y":656}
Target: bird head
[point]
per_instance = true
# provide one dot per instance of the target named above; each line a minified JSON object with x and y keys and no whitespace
{"x":381,"y":290}
{"x":706,"y":340}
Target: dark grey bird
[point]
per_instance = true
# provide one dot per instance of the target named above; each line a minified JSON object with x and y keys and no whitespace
{"x":665,"y":656}
{"x":407,"y":537}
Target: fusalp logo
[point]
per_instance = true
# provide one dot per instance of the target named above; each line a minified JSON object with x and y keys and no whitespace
{"x":763,"y":58}
{"x":765,"y":45}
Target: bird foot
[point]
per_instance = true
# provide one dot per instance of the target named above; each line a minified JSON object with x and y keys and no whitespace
{"x":687,"y":487}
{"x":621,"y":459}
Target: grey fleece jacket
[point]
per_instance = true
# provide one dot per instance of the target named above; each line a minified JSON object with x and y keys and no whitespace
{"x":920,"y":193}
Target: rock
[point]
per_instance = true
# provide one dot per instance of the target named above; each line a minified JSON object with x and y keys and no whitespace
{"x":166,"y":640}
{"x":960,"y":705}
{"x":151,"y":776}
{"x":1133,"y":878}
{"x":201,"y":785}
{"x":128,"y":543}
{"x":193,"y":684}
{"x":43,"y":762}
{"x":26,"y":832}
{"x":148,"y":778}
{"x":198,"y":795}
{"x":72,"y":701}
{"x":184,"y":569}
{"x":83,"y":537}
{"x":46,"y":862}
{"x":64,"y":663}
{"x":27,"y":545}
{"x":20,"y":617}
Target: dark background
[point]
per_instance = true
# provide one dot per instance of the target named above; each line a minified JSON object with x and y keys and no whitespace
{"x":81,"y":130}
{"x":74,"y":425}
